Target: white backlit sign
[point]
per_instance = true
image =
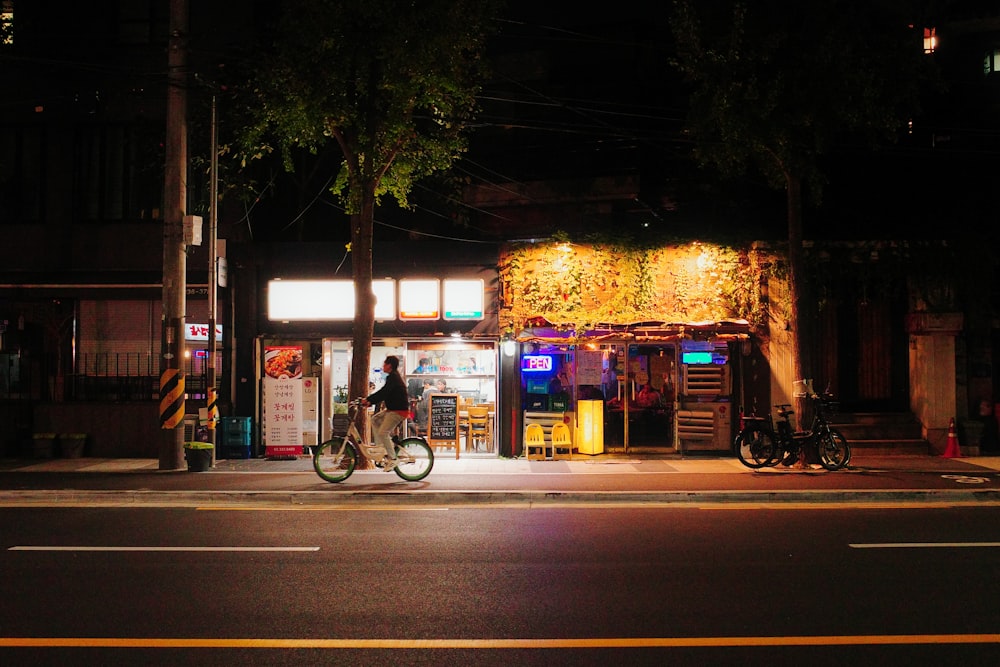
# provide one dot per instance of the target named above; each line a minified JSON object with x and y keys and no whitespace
{"x":463,"y":299}
{"x":419,"y":299}
{"x":194,"y":331}
{"x":317,"y":300}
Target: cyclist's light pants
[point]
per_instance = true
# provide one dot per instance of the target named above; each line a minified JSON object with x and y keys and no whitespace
{"x":382,"y":425}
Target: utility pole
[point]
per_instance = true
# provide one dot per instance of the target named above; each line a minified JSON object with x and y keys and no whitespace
{"x":174,"y":257}
{"x":213,"y":230}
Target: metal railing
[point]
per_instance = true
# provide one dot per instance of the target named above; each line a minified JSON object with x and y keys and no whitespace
{"x":99,"y":376}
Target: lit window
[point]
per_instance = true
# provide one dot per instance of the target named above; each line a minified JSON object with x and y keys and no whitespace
{"x":930,"y":40}
{"x":7,"y":22}
{"x":991,"y":63}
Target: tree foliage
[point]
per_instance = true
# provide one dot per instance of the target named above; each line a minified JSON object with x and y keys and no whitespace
{"x":778,"y":84}
{"x":392,"y":84}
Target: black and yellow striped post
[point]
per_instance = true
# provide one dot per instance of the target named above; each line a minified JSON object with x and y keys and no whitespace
{"x":171,"y":398}
{"x":213,"y":408}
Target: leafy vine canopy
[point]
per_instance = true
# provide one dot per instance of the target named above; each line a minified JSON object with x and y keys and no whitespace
{"x":580,"y":286}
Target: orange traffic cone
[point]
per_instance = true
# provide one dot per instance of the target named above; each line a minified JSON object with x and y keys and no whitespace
{"x":952,"y":450}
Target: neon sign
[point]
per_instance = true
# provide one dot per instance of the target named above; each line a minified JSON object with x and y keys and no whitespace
{"x":536,"y":363}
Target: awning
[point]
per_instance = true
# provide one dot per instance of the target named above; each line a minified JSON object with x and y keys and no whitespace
{"x":723,"y":330}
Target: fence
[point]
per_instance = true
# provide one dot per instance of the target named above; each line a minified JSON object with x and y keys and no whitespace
{"x":99,"y":376}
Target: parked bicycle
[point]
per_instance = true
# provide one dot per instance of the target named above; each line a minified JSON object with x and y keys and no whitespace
{"x":336,"y":459}
{"x":762,"y":443}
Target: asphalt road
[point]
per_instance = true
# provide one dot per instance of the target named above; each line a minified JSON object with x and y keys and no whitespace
{"x":500,"y":585}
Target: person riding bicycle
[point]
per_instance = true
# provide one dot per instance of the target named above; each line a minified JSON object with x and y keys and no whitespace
{"x":397,"y":408}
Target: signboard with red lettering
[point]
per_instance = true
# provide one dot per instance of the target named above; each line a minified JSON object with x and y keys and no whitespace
{"x":283,"y":401}
{"x":195,"y":331}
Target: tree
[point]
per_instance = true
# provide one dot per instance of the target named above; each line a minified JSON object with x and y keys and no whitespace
{"x":393,"y":85}
{"x":778,"y":84}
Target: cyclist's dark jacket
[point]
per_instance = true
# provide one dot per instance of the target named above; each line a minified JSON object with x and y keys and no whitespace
{"x":393,"y":393}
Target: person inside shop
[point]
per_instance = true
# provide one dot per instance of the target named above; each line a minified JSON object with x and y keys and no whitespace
{"x":396,"y":409}
{"x":424,"y":404}
{"x":648,"y":397}
{"x":414,"y":385}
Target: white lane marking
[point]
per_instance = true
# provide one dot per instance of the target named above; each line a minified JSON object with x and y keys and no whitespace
{"x":84,"y":548}
{"x":923,"y":545}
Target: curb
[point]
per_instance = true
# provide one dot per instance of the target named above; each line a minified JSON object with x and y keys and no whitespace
{"x":417,"y":498}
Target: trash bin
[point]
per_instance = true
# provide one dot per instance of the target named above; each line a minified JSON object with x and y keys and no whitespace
{"x":198,"y":455}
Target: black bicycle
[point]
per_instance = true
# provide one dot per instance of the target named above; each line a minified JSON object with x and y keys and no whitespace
{"x":762,"y":443}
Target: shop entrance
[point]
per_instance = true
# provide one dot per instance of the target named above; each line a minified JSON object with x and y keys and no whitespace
{"x":640,"y":381}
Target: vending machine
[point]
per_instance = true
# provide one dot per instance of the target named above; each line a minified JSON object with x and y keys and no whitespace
{"x":704,"y":419}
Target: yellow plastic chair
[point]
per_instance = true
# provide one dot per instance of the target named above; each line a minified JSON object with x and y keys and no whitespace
{"x":534,"y":439}
{"x":562,"y":443}
{"x":480,"y":429}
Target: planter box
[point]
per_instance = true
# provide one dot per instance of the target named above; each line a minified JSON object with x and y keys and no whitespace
{"x":43,"y":445}
{"x":71,"y":445}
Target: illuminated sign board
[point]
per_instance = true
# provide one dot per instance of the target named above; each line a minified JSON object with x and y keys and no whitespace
{"x":463,"y":299}
{"x":536,"y":363}
{"x":419,"y":299}
{"x":194,"y":331}
{"x":698,"y":358}
{"x":321,"y":300}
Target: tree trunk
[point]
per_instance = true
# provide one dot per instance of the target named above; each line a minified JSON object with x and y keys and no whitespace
{"x":797,"y":308}
{"x":362,"y":225}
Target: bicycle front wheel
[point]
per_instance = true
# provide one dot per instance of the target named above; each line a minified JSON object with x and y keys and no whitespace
{"x":834,"y":452}
{"x":335,"y":459}
{"x":416,"y":458}
{"x":755,"y":447}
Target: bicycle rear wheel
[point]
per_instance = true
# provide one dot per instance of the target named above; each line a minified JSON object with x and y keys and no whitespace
{"x":416,"y":458}
{"x":834,"y":452}
{"x":335,"y":459}
{"x":755,"y":447}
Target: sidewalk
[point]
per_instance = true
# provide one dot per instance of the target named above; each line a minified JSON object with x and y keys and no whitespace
{"x":475,"y":480}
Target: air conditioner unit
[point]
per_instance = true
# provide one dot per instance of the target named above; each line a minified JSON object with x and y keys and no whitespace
{"x":704,"y":426}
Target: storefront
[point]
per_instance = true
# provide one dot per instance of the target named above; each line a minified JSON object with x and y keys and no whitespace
{"x":440,"y":329}
{"x":633,"y":348}
{"x":659,"y":389}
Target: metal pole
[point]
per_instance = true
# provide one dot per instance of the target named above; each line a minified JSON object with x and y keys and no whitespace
{"x":213,"y":189}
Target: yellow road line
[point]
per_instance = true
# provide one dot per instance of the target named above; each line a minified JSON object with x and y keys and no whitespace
{"x":598,"y":642}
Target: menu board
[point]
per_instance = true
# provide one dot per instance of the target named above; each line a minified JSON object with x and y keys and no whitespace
{"x":442,"y":419}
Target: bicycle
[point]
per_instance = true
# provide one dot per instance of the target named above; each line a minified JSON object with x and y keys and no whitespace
{"x":762,"y":443}
{"x":336,"y":459}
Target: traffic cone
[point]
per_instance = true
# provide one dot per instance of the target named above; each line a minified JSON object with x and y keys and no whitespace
{"x":952,"y":450}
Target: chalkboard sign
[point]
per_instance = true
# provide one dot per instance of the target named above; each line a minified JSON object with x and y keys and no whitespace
{"x":443,"y":420}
